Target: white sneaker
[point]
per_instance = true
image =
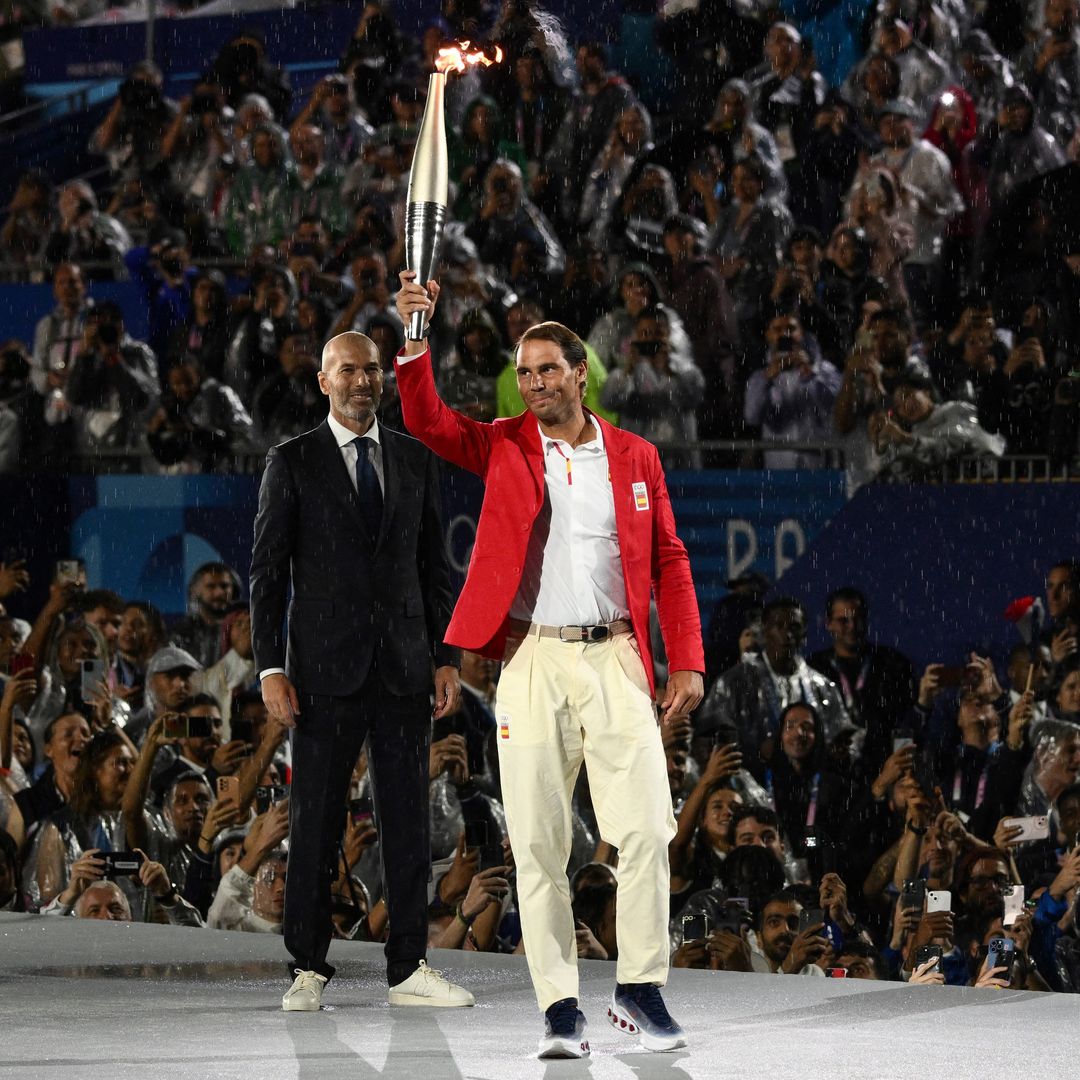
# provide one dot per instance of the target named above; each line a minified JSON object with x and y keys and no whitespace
{"x":305,"y":994}
{"x":426,"y":986}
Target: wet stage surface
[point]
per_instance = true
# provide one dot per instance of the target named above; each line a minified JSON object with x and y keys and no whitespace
{"x":118,"y":1001}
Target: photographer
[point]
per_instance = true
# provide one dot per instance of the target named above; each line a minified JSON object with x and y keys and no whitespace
{"x":253,"y":212}
{"x":112,"y":382}
{"x":371,"y":292}
{"x":86,"y":235}
{"x":332,"y":106}
{"x":791,"y":398}
{"x":199,"y":145}
{"x":90,"y":895}
{"x":132,"y":133}
{"x":165,"y":275}
{"x":199,"y":422}
{"x":256,"y":342}
{"x":655,"y":391}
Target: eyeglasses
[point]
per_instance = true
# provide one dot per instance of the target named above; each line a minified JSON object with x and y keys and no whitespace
{"x":997,"y":880}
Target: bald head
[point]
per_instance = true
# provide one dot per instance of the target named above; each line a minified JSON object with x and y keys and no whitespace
{"x":348,"y":346}
{"x":352,"y":378}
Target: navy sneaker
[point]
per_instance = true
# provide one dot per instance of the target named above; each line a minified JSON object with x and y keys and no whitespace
{"x":564,"y":1031}
{"x":638,"y":1009}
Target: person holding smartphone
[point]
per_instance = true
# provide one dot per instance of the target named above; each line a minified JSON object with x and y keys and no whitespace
{"x":790,"y":398}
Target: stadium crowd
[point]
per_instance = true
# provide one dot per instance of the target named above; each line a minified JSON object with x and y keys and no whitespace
{"x":872,"y":258}
{"x":837,"y":813}
{"x":887,"y":261}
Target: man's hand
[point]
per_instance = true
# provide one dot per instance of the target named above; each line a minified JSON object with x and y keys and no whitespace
{"x":1020,"y":933}
{"x":447,"y":691}
{"x":685,"y":689}
{"x":1020,"y":716}
{"x":266,"y":832}
{"x":85,"y":870}
{"x":809,"y":947}
{"x":729,"y":951}
{"x":222,"y":813}
{"x":588,"y":948}
{"x":678,"y":732}
{"x":455,"y":882}
{"x":359,"y":836}
{"x":991,"y":978}
{"x":279,"y":697}
{"x":905,"y":923}
{"x":20,"y":689}
{"x":896,"y":765}
{"x":930,"y":685}
{"x":1068,"y":876}
{"x":926,"y":975}
{"x":227,"y":758}
{"x":413,"y":297}
{"x":449,"y":754}
{"x":1005,"y":836}
{"x":1063,"y":645}
{"x":154,"y":876}
{"x":935,"y":928}
{"x":985,"y":684}
{"x":832,"y":898}
{"x":691,"y":954}
{"x":14,"y":577}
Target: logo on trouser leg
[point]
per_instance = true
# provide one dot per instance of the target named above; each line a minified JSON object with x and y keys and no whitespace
{"x":504,"y":727}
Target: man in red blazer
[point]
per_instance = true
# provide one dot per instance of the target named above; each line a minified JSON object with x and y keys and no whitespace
{"x":575,"y":536}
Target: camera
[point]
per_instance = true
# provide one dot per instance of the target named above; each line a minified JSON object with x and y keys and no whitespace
{"x":500,"y":185}
{"x":696,"y":927}
{"x":267,"y":796}
{"x":120,"y":863}
{"x":108,"y":334}
{"x":648,"y":348}
{"x":785,"y":344}
{"x":138,"y":94}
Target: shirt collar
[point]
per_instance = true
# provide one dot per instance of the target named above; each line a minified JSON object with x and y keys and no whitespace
{"x":595,"y":446}
{"x":343,"y":436}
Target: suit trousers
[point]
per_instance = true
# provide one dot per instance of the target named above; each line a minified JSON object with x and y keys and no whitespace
{"x":558,"y":704}
{"x":326,"y":744}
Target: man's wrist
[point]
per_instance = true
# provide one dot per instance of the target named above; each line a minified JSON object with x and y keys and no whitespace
{"x":918,"y":830}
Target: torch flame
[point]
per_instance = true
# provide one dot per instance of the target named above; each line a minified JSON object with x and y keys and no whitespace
{"x":459,"y":57}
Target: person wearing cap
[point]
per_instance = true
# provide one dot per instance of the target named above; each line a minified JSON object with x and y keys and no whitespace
{"x":349,"y":524}
{"x":575,"y":537}
{"x":927,"y":196}
{"x":168,"y":686}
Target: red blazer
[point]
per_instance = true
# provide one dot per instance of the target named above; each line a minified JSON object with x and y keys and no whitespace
{"x":508,"y":454}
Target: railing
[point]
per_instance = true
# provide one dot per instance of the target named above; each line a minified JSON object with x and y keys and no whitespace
{"x":1011,"y":469}
{"x":37,"y":272}
{"x":70,"y":101}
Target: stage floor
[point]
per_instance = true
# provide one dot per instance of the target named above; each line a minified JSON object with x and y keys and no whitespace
{"x":118,"y":1001}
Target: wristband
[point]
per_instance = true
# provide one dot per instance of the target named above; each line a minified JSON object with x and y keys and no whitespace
{"x":467,"y":923}
{"x":917,"y":830}
{"x":171,"y":898}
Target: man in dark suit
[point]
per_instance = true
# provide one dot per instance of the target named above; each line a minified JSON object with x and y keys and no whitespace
{"x":349,"y":517}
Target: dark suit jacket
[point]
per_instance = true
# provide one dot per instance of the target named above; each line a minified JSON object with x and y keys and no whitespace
{"x":352,"y":600}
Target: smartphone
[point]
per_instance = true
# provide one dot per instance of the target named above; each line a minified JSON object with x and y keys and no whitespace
{"x":121,"y":863}
{"x":228,"y":787}
{"x":1014,"y":904}
{"x":200,"y":727}
{"x":1001,"y":953}
{"x":938,"y":900}
{"x":242,"y":730}
{"x":362,"y":810}
{"x":476,"y":834}
{"x":902,"y":737}
{"x":810,"y":916}
{"x":71,"y":571}
{"x":1034,"y":828}
{"x":929,"y":952}
{"x":93,"y":674}
{"x":953,"y":675}
{"x":785,"y":343}
{"x":914,"y":894}
{"x":267,"y":796}
{"x":836,"y":973}
{"x":447,"y":725}
{"x":22,"y":662}
{"x":176,"y":726}
{"x":696,"y":927}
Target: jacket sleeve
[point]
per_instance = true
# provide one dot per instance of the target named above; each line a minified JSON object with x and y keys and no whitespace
{"x":271,"y":555}
{"x":454,"y":437}
{"x":676,"y":601}
{"x":232,"y":902}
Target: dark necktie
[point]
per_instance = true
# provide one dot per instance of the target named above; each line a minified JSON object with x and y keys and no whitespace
{"x":367,"y":485}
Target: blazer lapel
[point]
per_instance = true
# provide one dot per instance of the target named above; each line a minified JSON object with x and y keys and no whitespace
{"x":532,"y":446}
{"x":336,"y":479}
{"x":619,"y":470}
{"x":392,"y":466}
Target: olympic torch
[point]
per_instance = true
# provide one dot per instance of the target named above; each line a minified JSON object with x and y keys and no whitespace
{"x":425,"y":214}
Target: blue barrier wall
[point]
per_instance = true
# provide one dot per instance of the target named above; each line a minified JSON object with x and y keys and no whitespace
{"x":22,"y":305}
{"x":939,"y":565}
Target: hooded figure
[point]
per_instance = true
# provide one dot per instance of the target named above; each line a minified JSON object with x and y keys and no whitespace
{"x":1018,"y":151}
{"x":984,"y":74}
{"x":472,"y":149}
{"x":734,"y":117}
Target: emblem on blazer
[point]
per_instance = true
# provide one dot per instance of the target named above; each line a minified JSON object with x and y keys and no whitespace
{"x":504,"y":727}
{"x":641,"y":495}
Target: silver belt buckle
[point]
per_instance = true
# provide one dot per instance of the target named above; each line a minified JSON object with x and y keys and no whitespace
{"x":579,"y":630}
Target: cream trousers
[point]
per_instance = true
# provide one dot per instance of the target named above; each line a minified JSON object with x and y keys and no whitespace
{"x":558,"y":704}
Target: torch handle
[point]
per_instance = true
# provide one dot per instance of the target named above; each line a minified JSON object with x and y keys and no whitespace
{"x":423,"y":239}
